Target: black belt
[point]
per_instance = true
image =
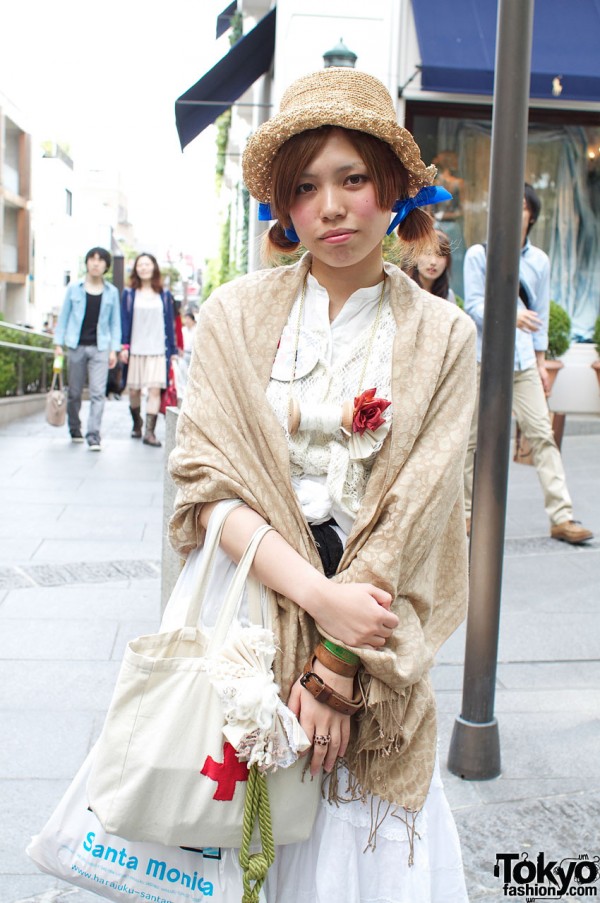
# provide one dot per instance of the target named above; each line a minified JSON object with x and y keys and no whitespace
{"x":329,"y":545}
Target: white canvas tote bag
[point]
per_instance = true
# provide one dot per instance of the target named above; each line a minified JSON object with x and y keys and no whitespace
{"x":186,"y":704}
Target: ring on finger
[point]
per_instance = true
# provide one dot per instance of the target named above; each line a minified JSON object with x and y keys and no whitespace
{"x":322,"y":739}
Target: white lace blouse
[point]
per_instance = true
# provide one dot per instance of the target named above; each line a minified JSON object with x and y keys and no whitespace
{"x":329,"y":365}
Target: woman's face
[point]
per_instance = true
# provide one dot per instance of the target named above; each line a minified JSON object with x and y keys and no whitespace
{"x":144,"y":268}
{"x":431,"y":266}
{"x":335,"y":211}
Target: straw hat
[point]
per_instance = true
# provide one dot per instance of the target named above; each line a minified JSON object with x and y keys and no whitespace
{"x":335,"y":96}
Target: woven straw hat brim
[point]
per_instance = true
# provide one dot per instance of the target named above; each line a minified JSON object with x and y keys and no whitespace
{"x":262,"y":147}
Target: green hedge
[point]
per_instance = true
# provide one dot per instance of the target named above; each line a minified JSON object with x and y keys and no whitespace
{"x":33,"y":363}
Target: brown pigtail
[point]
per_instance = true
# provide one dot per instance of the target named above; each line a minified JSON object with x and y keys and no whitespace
{"x":277,"y":245}
{"x":417,"y":236}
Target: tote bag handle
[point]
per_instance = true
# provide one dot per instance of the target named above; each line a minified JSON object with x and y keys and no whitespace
{"x":235,"y":592}
{"x":209,"y":551}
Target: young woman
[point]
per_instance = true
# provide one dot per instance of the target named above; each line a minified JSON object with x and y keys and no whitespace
{"x":148,"y":343}
{"x":432,"y":269}
{"x":333,"y":397}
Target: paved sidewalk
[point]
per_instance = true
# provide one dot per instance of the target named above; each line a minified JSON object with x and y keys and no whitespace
{"x":80,"y":545}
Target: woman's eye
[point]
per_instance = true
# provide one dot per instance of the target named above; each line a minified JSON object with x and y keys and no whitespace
{"x":304,"y":188}
{"x":356,"y":179}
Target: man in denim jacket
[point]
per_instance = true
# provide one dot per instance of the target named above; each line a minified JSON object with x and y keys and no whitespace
{"x":89,"y":326}
{"x":530,"y":382}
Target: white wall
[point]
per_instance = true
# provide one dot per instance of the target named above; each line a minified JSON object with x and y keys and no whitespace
{"x":57,"y":248}
{"x":576,"y":389}
{"x":308,"y":29}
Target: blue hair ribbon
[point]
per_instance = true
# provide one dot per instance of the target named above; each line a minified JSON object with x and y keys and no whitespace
{"x":264,"y":213}
{"x":292,"y":235}
{"x":430,"y":194}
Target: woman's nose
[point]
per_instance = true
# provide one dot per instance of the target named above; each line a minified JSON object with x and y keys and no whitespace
{"x":332,"y":204}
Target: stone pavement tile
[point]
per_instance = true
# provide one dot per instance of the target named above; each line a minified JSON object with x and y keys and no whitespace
{"x":154,"y":532}
{"x":16,"y":550}
{"x":57,"y":686}
{"x":571,"y":571}
{"x":447,"y":677}
{"x":549,"y":675}
{"x":562,"y":827}
{"x":75,"y":641}
{"x":559,"y":701}
{"x":546,"y":747}
{"x":548,"y":636}
{"x":27,"y":806}
{"x":30,"y":802}
{"x":52,"y":550}
{"x":453,"y":650}
{"x":140,"y":514}
{"x":37,"y":744}
{"x":99,"y":493}
{"x":131,"y":599}
{"x":17,"y":512}
{"x":68,"y":528}
{"x":13,"y":577}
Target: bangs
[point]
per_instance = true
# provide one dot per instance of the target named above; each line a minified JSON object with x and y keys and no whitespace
{"x":388,"y":174}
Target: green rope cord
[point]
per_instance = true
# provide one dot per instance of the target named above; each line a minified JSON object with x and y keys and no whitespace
{"x":256,"y":865}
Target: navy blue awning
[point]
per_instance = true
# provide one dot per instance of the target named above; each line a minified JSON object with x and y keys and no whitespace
{"x":224,"y":18}
{"x":458,"y":47}
{"x":248,"y":59}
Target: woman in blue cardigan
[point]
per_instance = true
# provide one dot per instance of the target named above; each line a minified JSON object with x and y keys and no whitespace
{"x":148,"y":343}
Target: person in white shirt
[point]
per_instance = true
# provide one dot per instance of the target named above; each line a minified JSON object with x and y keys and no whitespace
{"x":530,"y":383}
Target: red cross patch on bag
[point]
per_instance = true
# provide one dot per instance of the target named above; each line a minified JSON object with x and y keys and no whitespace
{"x":226,"y":773}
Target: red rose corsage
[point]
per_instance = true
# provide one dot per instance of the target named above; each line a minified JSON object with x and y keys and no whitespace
{"x":367,"y":412}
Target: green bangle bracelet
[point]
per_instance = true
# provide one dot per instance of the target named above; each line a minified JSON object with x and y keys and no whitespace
{"x":341,"y":652}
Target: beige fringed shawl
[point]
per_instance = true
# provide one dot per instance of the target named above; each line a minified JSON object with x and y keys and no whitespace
{"x":409,"y":534}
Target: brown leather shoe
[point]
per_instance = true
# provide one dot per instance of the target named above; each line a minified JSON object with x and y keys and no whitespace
{"x":571,"y":531}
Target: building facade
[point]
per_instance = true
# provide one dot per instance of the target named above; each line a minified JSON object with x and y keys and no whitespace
{"x":16,"y":293}
{"x":437,"y":59}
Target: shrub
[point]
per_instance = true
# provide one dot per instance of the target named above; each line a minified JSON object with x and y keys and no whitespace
{"x":559,"y":331}
{"x":596,"y":335}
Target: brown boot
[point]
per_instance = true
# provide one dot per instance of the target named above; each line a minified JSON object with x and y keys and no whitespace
{"x":138,"y":423}
{"x":149,"y":437}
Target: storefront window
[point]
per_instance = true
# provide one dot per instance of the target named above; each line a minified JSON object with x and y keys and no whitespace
{"x":563,"y":165}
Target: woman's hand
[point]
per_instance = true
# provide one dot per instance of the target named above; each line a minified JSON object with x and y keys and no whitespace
{"x":320,"y":721}
{"x":356,"y":614}
{"x":124,"y":355}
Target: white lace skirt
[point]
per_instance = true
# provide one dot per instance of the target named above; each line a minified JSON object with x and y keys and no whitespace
{"x":332,"y":865}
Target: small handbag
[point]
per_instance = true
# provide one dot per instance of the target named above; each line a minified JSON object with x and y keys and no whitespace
{"x":188,"y":705}
{"x":56,"y":401}
{"x":168,"y":396}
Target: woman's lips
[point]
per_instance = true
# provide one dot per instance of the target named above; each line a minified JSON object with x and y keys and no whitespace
{"x":337,"y":238}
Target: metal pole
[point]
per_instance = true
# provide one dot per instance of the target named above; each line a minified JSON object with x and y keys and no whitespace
{"x":475,"y":745}
{"x":119,"y":272}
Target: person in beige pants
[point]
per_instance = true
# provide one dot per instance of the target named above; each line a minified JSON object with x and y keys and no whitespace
{"x":530,"y":382}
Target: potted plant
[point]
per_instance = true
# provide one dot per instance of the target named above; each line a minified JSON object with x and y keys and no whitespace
{"x":596,"y":341}
{"x":559,"y":339}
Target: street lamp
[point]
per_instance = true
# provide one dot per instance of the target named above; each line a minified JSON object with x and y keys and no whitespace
{"x":339,"y":56}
